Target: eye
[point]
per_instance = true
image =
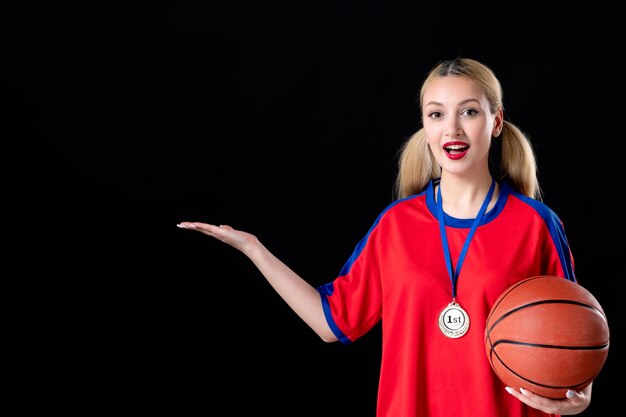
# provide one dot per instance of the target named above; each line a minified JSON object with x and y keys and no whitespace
{"x":434,"y":115}
{"x":469,"y":112}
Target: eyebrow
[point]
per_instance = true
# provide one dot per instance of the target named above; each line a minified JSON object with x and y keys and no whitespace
{"x":436,"y":103}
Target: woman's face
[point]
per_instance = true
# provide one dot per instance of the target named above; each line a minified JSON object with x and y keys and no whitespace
{"x":459,"y":125}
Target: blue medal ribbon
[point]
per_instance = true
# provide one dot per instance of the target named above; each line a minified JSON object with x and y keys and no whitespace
{"x":454,"y":274}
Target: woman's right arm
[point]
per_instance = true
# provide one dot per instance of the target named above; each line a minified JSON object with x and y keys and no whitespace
{"x":303,"y":298}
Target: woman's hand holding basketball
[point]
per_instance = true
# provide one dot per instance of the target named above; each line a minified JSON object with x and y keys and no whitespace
{"x":236,"y":238}
{"x":575,"y":403}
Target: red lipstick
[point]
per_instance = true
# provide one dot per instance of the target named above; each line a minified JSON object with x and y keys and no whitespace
{"x":456,"y":149}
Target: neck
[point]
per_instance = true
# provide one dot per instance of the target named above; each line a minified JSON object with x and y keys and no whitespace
{"x":463,"y":198}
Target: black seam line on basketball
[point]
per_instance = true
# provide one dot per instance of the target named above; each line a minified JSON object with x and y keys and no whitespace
{"x":555,"y":301}
{"x":541,"y":345}
{"x":543,"y":385}
{"x":503,"y":296}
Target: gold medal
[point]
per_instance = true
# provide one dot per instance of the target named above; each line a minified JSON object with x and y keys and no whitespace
{"x":453,"y":321}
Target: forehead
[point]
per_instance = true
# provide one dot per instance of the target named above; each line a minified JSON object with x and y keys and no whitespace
{"x":452,"y":90}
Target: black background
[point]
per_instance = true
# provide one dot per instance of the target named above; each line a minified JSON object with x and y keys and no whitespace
{"x":122,"y":118}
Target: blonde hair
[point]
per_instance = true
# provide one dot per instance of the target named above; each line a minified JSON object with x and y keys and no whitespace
{"x":512,"y":159}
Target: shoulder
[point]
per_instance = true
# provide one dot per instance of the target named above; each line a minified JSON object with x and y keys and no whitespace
{"x":399,"y":210}
{"x":541,"y":209}
{"x":403,"y":205}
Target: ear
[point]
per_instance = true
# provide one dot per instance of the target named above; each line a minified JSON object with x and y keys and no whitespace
{"x":498,"y":123}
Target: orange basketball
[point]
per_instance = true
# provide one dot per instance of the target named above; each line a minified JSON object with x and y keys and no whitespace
{"x":548,"y":335}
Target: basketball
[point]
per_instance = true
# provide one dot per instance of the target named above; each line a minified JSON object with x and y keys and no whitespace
{"x":548,"y":335}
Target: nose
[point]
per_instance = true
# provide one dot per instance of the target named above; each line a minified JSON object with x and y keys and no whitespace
{"x":453,"y":129}
{"x":453,"y":133}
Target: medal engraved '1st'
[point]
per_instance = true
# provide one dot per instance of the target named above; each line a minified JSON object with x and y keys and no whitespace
{"x":453,"y":321}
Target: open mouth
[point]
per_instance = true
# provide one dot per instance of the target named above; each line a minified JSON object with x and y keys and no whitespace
{"x":455,"y":150}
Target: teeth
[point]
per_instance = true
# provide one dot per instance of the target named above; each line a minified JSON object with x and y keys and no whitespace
{"x":456,"y":147}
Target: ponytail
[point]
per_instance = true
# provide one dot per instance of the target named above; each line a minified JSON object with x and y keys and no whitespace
{"x":416,"y":166}
{"x":518,"y":164}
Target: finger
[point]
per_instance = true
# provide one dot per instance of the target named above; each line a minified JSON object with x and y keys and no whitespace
{"x":516,"y":394}
{"x":188,"y":225}
{"x":524,"y":396}
{"x":205,"y":228}
{"x":574,"y":397}
{"x":512,"y":392}
{"x":534,"y":398}
{"x":547,"y":405}
{"x":209,"y":229}
{"x":528,"y":393}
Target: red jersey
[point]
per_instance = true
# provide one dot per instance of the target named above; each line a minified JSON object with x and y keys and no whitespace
{"x":397,"y":274}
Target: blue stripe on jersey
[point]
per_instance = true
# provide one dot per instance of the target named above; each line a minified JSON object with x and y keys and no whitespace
{"x":557,"y":232}
{"x":359,"y":247}
{"x":328,"y":289}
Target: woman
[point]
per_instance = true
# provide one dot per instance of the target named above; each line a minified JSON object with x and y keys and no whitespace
{"x":467,"y":223}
